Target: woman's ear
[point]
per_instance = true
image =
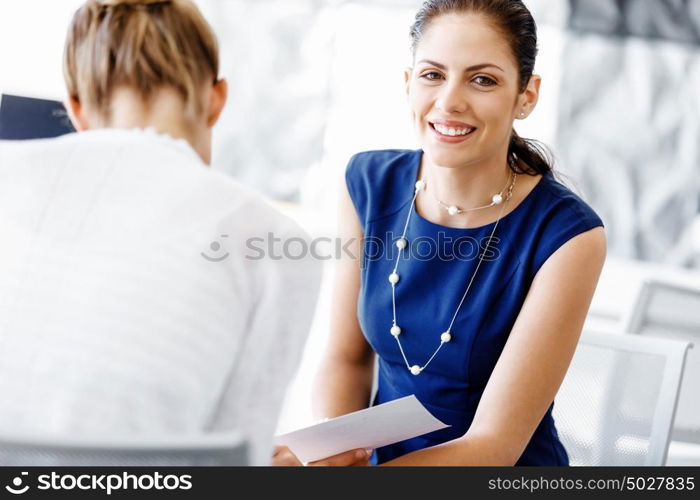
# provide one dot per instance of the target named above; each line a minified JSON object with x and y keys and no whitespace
{"x":76,"y":114}
{"x":217,"y":101}
{"x":528,"y":99}
{"x":407,"y":79}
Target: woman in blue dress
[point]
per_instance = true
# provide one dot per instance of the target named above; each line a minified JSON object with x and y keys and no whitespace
{"x":478,"y":266}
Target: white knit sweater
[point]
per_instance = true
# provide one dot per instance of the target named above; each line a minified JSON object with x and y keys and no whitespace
{"x":112,"y":320}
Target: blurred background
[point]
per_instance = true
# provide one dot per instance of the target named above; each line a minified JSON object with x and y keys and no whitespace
{"x":314,"y":81}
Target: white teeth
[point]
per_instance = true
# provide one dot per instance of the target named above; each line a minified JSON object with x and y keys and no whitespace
{"x":452,"y":132}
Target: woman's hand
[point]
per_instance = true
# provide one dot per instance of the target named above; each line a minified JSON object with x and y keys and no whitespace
{"x":283,"y":457}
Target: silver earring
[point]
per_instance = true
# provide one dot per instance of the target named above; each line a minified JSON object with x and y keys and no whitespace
{"x":522,"y":114}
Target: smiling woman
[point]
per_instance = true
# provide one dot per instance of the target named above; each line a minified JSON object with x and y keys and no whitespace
{"x":483,"y":341}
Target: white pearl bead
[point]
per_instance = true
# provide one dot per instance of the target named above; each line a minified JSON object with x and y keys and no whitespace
{"x":401,"y":244}
{"x":420,"y":185}
{"x":395,"y":330}
{"x":415,"y":370}
{"x":497,"y":199}
{"x":453,"y":210}
{"x":393,"y":278}
{"x":446,"y":337}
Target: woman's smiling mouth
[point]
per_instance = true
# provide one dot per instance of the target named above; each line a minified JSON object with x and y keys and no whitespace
{"x":451,"y":131}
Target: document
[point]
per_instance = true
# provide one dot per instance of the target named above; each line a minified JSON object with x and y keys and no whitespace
{"x":373,"y":427}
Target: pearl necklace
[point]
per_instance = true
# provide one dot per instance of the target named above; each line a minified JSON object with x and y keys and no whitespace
{"x":402,"y":244}
{"x":496,"y":199}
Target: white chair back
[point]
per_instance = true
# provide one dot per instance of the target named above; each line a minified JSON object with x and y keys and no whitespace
{"x":225,"y":449}
{"x":672,"y":311}
{"x":618,"y":400}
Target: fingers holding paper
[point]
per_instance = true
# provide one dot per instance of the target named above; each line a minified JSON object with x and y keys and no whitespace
{"x":351,"y":458}
{"x":284,"y":457}
{"x":370,"y":428}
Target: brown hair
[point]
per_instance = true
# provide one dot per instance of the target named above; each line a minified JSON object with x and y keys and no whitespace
{"x":141,"y":44}
{"x":516,"y":23}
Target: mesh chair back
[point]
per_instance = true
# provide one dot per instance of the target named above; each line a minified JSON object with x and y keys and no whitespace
{"x":673,"y":311}
{"x":200,"y":450}
{"x":617,"y":402}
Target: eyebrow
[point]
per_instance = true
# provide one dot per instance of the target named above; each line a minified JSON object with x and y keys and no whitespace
{"x":476,"y":67}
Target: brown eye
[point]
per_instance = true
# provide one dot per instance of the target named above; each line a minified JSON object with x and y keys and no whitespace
{"x":484,"y":81}
{"x":431,"y":76}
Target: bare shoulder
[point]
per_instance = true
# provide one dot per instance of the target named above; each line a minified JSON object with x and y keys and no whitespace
{"x":579,"y":260}
{"x":590,"y":245}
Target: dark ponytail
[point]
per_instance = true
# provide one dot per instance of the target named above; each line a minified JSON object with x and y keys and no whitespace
{"x":527,"y":156}
{"x":515,"y":21}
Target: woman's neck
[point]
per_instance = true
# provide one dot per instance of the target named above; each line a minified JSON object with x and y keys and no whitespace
{"x":165,"y":113}
{"x":471,"y":187}
{"x":467,"y":187}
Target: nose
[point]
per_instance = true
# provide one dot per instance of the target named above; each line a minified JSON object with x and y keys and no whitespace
{"x":452,"y":99}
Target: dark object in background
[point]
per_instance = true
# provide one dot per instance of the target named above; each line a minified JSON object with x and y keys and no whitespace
{"x":671,"y":20}
{"x":28,"y":118}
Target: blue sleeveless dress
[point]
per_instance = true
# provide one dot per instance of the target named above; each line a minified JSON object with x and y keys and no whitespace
{"x":435,"y":270}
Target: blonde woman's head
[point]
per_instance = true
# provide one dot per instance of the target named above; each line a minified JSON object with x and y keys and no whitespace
{"x":144,"y":63}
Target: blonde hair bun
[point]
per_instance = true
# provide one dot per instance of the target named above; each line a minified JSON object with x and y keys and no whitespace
{"x":126,"y":43}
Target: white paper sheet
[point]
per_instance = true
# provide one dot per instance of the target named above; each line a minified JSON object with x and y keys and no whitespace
{"x":373,"y":427}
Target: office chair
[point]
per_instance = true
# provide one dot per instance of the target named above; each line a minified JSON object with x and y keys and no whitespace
{"x":618,"y":400}
{"x":225,"y":449}
{"x":670,"y":310}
